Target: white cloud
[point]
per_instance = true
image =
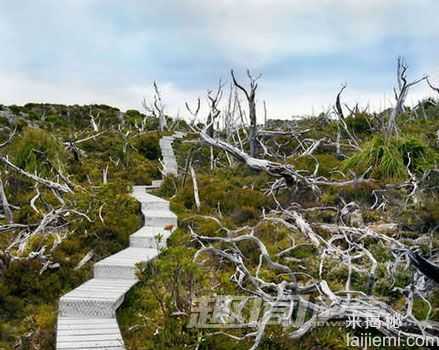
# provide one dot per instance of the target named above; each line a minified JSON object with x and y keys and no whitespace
{"x":255,"y":31}
{"x":78,"y":52}
{"x":22,"y":89}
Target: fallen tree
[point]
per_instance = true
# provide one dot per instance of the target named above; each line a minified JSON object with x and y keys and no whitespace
{"x":284,"y":171}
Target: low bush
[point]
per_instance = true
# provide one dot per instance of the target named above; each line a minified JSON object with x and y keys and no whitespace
{"x":148,"y":145}
{"x":35,"y":148}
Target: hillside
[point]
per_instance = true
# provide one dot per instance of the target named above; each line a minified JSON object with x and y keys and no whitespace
{"x":321,"y":199}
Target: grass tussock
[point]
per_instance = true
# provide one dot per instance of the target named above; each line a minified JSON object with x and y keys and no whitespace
{"x":389,"y":158}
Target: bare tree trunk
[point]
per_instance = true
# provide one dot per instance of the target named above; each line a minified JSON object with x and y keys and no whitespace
{"x":253,"y":126}
{"x":250,"y":94}
{"x":338,"y":153}
{"x":93,"y":123}
{"x":210,"y":129}
{"x":195,"y":185}
{"x":159,"y":107}
{"x":214,"y":99}
{"x":156,"y":108}
{"x":265,"y":114}
{"x":105,"y":175}
{"x":6,"y":209}
{"x":162,"y":122}
{"x":212,"y":165}
{"x":341,"y":119}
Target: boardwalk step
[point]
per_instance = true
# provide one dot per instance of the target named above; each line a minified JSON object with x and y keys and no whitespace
{"x":140,"y":194}
{"x":150,"y":237}
{"x":155,"y":205}
{"x":159,"y":218}
{"x":168,"y":156}
{"x":93,"y":333}
{"x":96,"y":298}
{"x":122,"y":265}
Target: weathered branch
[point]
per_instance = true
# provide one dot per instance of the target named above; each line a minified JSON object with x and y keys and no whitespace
{"x":286,"y":171}
{"x":338,"y":106}
{"x":6,"y":208}
{"x":50,"y":184}
{"x":10,"y":137}
{"x":434,"y":88}
{"x":347,"y":245}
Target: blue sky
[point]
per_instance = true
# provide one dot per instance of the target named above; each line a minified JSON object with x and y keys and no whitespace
{"x":107,"y":51}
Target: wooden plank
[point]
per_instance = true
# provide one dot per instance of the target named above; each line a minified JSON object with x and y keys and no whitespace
{"x":90,"y":338}
{"x":87,"y":331}
{"x":90,"y":344}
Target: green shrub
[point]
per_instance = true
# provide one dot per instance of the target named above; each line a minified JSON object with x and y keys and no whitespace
{"x":166,"y":286}
{"x":32,"y":149}
{"x":243,"y":214}
{"x":327,"y":163}
{"x":148,"y":145}
{"x":359,"y":123}
{"x":422,"y":217}
{"x":168,"y":187}
{"x":134,"y":117}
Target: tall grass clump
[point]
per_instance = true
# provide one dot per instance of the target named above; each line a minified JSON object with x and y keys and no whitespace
{"x":389,"y":157}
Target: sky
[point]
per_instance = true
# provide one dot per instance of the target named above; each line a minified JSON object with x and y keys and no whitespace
{"x":108,"y":51}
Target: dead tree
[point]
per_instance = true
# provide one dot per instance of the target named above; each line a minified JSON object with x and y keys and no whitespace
{"x":214,"y":99}
{"x":400,"y":92}
{"x":229,"y":112}
{"x":250,"y":95}
{"x":94,"y":124}
{"x":289,"y":175}
{"x":194,"y":112}
{"x":341,"y":125}
{"x":156,"y":108}
{"x":434,"y":88}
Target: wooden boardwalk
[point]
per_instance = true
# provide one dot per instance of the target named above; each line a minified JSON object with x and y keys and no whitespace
{"x":168,"y":157}
{"x":87,"y":314}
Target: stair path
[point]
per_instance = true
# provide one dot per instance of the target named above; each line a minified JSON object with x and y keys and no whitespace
{"x":169,"y":162}
{"x":87,"y":314}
